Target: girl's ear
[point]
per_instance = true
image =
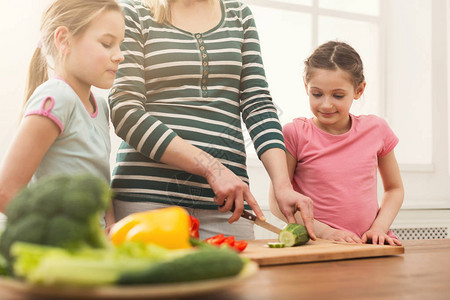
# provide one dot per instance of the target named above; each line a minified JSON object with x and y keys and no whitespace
{"x":306,"y":86}
{"x":61,"y":38}
{"x":360,"y":90}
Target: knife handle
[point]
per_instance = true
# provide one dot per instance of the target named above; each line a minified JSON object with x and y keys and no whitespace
{"x":245,"y":214}
{"x":249,"y":216}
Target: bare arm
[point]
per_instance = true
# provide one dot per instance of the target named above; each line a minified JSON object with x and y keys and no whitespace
{"x":34,"y":137}
{"x":225,"y":184}
{"x":391,"y":202}
{"x":281,"y":165}
{"x":109,"y":218}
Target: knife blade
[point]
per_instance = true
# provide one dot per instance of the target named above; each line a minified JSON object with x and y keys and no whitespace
{"x":249,"y":216}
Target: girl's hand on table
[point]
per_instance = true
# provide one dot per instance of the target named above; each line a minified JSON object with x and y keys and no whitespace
{"x":342,"y":236}
{"x":379,"y":237}
{"x":231,"y":192}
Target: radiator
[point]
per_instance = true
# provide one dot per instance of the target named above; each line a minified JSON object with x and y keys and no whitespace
{"x":421,"y":233}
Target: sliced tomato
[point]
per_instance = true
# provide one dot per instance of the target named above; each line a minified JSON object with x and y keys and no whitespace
{"x":240,"y":245}
{"x":216,"y":240}
{"x":229,"y":240}
{"x":195,"y":225}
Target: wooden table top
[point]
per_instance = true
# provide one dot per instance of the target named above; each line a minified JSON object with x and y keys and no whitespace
{"x":422,"y":272}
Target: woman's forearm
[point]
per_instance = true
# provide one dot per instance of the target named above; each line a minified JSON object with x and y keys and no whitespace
{"x":183,"y":155}
{"x":230,"y":190}
{"x":274,"y":161}
{"x":288,"y":200}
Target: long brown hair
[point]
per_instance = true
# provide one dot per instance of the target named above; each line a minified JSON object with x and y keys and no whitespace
{"x":76,"y":15}
{"x":335,"y":55}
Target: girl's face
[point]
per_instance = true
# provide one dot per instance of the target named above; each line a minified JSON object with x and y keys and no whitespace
{"x":94,"y":56}
{"x":331,"y":94}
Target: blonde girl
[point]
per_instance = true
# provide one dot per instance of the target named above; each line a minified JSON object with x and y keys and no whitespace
{"x":333,"y":157}
{"x":64,"y":128}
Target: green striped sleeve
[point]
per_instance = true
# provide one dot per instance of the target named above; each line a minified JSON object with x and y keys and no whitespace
{"x":258,"y":111}
{"x":132,"y":123}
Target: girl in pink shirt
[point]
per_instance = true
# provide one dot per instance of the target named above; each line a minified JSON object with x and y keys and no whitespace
{"x":333,"y":157}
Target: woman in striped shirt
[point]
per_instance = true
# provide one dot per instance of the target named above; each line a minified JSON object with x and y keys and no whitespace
{"x":192,"y":69}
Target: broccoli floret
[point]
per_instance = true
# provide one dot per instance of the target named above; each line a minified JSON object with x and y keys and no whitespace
{"x":31,"y":229}
{"x":65,"y":231}
{"x":3,"y":267}
{"x":59,"y":210}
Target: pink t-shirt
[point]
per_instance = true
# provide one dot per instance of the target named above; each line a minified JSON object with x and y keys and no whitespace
{"x":339,"y":172}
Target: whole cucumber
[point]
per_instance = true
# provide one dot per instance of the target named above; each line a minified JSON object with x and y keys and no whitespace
{"x":199,"y":265}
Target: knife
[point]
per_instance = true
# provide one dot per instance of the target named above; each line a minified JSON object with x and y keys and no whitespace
{"x":249,"y":216}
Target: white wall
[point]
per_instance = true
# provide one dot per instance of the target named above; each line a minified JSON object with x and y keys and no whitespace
{"x":17,"y":45}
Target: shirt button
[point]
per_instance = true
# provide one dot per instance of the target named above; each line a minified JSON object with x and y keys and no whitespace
{"x":198,"y":35}
{"x":203,"y":81}
{"x":204,"y":88}
{"x":204,"y":55}
{"x":205,"y":72}
{"x":200,"y":41}
{"x":205,"y":63}
{"x":202,"y":48}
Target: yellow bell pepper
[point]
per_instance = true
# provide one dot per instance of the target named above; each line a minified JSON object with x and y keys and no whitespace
{"x":167,"y":227}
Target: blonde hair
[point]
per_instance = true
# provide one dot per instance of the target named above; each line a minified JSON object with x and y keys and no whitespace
{"x":161,"y":9}
{"x":76,"y":15}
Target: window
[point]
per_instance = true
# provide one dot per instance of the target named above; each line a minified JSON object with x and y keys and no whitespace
{"x":401,"y":45}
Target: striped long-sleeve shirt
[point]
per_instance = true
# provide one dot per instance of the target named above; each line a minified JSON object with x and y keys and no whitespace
{"x":196,"y":86}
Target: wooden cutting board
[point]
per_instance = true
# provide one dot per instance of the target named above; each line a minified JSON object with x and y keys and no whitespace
{"x":314,"y":251}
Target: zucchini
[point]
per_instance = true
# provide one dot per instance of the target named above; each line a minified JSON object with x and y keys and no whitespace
{"x":293,"y":235}
{"x":202,"y":264}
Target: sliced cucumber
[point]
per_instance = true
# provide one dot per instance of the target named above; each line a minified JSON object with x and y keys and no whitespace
{"x":275,"y":245}
{"x":293,"y":235}
{"x":287,"y":238}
